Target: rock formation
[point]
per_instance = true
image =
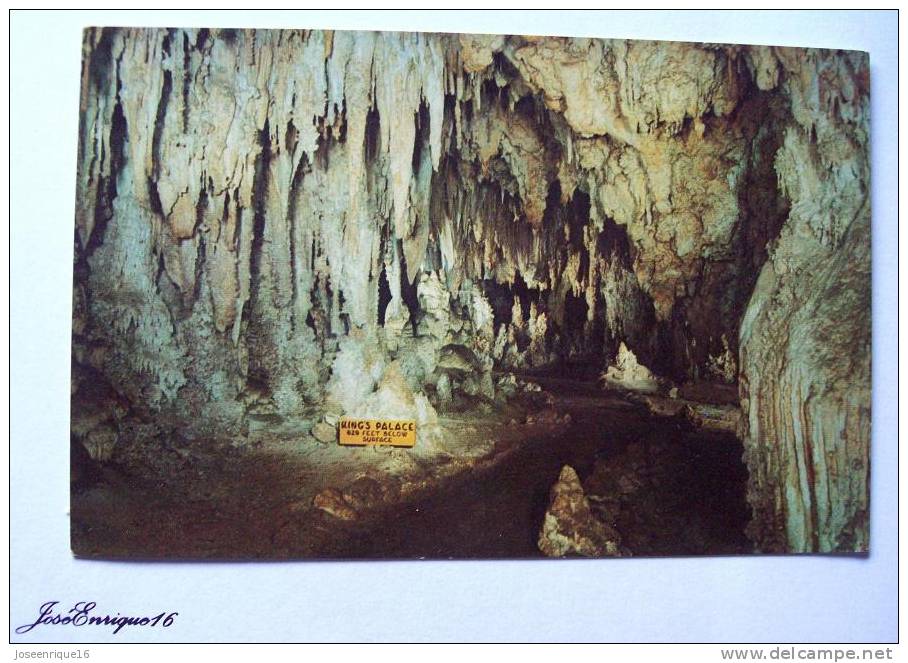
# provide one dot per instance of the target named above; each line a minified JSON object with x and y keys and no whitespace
{"x":570,"y":527}
{"x":805,"y":337}
{"x":272,"y":220}
{"x":627,"y":373}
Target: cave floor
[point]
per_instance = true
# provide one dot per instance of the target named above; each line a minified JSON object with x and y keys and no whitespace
{"x":682,"y":489}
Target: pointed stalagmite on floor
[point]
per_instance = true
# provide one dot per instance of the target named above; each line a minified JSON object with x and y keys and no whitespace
{"x":570,"y":526}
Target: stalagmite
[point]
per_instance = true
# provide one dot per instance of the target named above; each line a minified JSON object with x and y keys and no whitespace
{"x":570,"y":527}
{"x":627,"y":373}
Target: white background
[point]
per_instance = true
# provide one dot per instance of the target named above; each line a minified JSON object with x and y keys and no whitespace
{"x":756,"y":599}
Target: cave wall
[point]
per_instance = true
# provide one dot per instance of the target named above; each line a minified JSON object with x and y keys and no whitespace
{"x":805,"y":337}
{"x":269,"y":219}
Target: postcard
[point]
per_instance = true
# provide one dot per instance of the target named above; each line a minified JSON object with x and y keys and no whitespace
{"x":398,"y":295}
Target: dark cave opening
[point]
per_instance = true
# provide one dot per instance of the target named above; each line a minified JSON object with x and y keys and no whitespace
{"x":408,"y":289}
{"x":384,"y":295}
{"x":373,"y":134}
{"x":341,"y":313}
{"x":421,"y":118}
{"x":501,"y":300}
{"x":527,"y":295}
{"x":576,"y":311}
{"x":372,"y":138}
{"x":613,"y":241}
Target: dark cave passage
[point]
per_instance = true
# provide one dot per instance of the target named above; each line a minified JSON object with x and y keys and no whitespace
{"x":384,"y":296}
{"x":666,"y":486}
{"x":679,"y":491}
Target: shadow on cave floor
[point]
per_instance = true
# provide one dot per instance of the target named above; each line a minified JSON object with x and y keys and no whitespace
{"x":684,"y":497}
{"x":681,"y":492}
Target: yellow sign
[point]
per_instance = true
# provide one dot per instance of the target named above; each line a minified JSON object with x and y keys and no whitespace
{"x":395,"y":433}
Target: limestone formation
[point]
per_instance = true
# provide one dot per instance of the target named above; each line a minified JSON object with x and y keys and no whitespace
{"x":628,"y":373}
{"x":805,"y":337}
{"x":272,"y":222}
{"x":395,"y":399}
{"x":724,"y":418}
{"x":332,"y":502}
{"x":100,"y":442}
{"x":324,"y":432}
{"x":570,"y":527}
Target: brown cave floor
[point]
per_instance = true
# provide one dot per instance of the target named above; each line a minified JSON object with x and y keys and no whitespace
{"x":218,"y":500}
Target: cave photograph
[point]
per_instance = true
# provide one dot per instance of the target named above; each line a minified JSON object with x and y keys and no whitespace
{"x":400,"y":295}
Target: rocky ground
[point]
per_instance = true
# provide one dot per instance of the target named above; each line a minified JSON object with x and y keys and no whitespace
{"x":665,"y":485}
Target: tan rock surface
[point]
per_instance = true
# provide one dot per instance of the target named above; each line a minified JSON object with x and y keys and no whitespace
{"x":570,"y":527}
